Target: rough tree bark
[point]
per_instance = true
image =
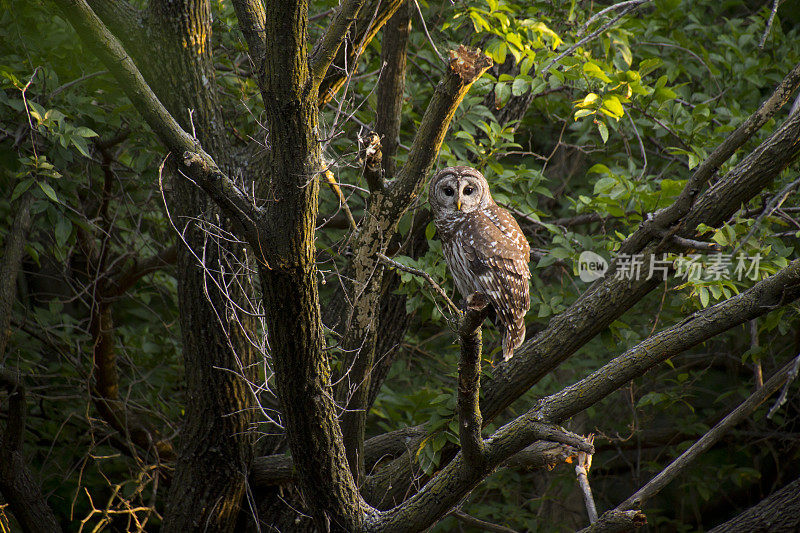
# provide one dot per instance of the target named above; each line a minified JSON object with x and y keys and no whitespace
{"x":777,"y":513}
{"x":281,"y":236}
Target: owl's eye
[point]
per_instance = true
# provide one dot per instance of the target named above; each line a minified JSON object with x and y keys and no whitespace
{"x":448,"y":191}
{"x":468,"y":190}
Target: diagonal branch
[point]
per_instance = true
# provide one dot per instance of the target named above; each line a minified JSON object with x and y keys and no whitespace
{"x":199,"y":165}
{"x":459,"y":477}
{"x":325,"y":50}
{"x":669,"y":215}
{"x":252,"y":20}
{"x":713,"y":436}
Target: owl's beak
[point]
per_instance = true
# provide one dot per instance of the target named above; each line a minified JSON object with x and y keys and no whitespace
{"x":458,"y":204}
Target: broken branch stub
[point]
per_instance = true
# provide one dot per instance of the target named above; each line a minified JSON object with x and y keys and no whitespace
{"x":469,"y":63}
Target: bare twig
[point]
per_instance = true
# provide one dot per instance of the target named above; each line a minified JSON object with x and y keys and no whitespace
{"x":424,"y":275}
{"x":425,"y":28}
{"x":774,"y":203}
{"x":757,"y":372}
{"x":588,"y":38}
{"x":482,"y":524}
{"x":342,"y":200}
{"x":325,"y":50}
{"x":771,"y":18}
{"x":789,"y":380}
{"x":582,"y":466}
{"x":602,"y":12}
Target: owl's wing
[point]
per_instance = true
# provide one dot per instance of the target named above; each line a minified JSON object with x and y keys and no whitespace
{"x":498,"y":254}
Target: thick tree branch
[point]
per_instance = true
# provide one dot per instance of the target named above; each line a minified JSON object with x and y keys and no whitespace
{"x":13,"y":252}
{"x":325,"y":50}
{"x":458,"y":478}
{"x":198,"y":165}
{"x":470,"y":421}
{"x":617,"y":522}
{"x":252,"y":19}
{"x":713,"y":436}
{"x":778,"y":512}
{"x":666,"y":217}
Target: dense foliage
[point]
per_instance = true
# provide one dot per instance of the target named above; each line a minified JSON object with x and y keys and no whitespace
{"x":611,"y":133}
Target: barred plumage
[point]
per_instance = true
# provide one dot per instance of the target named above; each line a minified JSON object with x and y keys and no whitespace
{"x":484,"y":248}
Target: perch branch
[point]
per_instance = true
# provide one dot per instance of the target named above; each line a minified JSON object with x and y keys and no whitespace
{"x":469,"y":379}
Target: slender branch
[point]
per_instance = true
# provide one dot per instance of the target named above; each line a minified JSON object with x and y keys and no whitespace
{"x":627,"y":9}
{"x":774,"y":10}
{"x":424,"y":275}
{"x":744,"y":410}
{"x":326,"y":48}
{"x":482,"y":524}
{"x":342,"y":200}
{"x":774,"y":203}
{"x":793,"y":371}
{"x":602,"y":12}
{"x":582,"y":466}
{"x":469,"y":379}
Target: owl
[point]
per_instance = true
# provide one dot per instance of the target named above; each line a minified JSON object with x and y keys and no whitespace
{"x":484,"y":248}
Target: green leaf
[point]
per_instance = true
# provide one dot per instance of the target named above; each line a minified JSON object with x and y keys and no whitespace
{"x":519,"y":87}
{"x":601,"y":126}
{"x":704,"y":296}
{"x":604,"y":185}
{"x":430,"y":230}
{"x":580,"y":113}
{"x":80,"y":144}
{"x":85,"y":132}
{"x":613,"y":105}
{"x":21,"y":188}
{"x":593,"y":70}
{"x":48,"y":190}
{"x":63,"y":230}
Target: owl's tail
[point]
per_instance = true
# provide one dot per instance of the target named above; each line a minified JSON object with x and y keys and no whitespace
{"x":513,"y":337}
